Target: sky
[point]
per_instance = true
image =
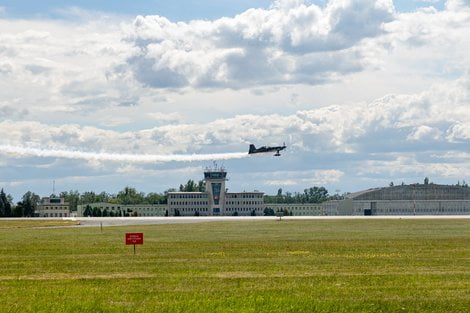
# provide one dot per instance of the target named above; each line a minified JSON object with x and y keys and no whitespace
{"x":100,"y":95}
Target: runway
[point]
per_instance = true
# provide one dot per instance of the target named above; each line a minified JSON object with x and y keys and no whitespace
{"x":155,"y":220}
{"x":124,"y":221}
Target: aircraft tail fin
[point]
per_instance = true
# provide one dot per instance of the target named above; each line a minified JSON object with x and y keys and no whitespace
{"x":252,"y":148}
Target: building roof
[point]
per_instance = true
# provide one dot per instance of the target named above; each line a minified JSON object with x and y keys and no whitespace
{"x":414,"y":192}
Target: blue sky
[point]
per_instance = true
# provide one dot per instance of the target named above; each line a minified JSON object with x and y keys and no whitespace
{"x":182,"y":10}
{"x":99,"y":95}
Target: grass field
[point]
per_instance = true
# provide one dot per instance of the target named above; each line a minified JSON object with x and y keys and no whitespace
{"x":252,"y":266}
{"x":28,"y":223}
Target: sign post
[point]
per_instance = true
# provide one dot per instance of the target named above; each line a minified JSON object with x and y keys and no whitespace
{"x":280,"y":214}
{"x":134,"y":239}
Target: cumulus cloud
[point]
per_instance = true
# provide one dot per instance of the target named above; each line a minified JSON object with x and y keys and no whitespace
{"x":440,"y":113}
{"x":409,"y":164}
{"x":303,"y":178}
{"x":291,"y":42}
{"x":86,"y":65}
{"x":424,"y":132}
{"x":457,"y":4}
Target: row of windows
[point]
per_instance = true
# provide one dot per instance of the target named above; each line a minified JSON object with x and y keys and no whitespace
{"x":135,"y":209}
{"x":242,"y":209}
{"x":402,"y":210}
{"x":244,"y":202}
{"x":245,"y":196}
{"x":55,"y":215}
{"x":188,"y":196}
{"x":298,"y":208}
{"x":55,"y":208}
{"x":189,"y":203}
{"x":192,"y":209}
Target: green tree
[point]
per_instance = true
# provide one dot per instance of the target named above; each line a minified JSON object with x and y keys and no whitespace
{"x":5,"y":206}
{"x":30,"y":202}
{"x":155,"y":198}
{"x":88,"y":211}
{"x":18,"y":210}
{"x":2,"y":207}
{"x":268,"y":212}
{"x":130,"y":195}
{"x":96,"y":212}
{"x":88,"y":197}
{"x":72,"y":197}
{"x":201,"y":186}
{"x":189,"y":187}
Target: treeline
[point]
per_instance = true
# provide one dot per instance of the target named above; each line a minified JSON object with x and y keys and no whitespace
{"x":23,"y":208}
{"x":310,"y":195}
{"x":129,"y":195}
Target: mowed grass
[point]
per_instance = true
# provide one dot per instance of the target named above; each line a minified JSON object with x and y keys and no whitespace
{"x":28,"y":223}
{"x":252,"y":266}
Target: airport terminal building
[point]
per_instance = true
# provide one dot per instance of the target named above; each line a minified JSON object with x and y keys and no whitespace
{"x":215,"y":200}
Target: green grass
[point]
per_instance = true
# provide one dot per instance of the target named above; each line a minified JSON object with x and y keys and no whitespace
{"x":18,"y":223}
{"x":253,"y":266}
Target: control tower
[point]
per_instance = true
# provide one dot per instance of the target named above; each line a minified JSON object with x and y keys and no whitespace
{"x":215,"y":187}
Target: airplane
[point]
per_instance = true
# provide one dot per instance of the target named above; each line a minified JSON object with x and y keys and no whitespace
{"x":264,"y":149}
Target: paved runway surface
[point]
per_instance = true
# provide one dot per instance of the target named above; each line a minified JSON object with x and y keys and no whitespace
{"x":123,"y":221}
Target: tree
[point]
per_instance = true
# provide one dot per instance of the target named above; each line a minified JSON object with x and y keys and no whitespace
{"x":268,"y":212}
{"x":391,"y":184}
{"x":190,"y":186}
{"x":88,"y":211}
{"x":5,"y":206}
{"x":2,"y":206}
{"x":310,"y":195}
{"x":201,"y":186}
{"x":18,"y":210}
{"x":96,"y":212}
{"x":72,"y":197}
{"x":30,"y":203}
{"x":88,"y":197}
{"x":130,"y":195}
{"x":155,"y":198}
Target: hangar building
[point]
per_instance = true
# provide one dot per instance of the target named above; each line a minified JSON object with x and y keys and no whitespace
{"x":415,"y":199}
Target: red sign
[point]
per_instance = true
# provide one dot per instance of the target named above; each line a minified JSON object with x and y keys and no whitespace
{"x":134,"y":238}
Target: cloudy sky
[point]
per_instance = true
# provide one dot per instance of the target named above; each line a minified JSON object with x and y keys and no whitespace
{"x":99,"y":95}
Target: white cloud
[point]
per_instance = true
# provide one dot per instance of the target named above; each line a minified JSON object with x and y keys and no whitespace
{"x":425,"y":132}
{"x":153,"y":86}
{"x":166,"y":118}
{"x":401,"y":120}
{"x":287,"y":44}
{"x":407,"y":163}
{"x":304,"y":178}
